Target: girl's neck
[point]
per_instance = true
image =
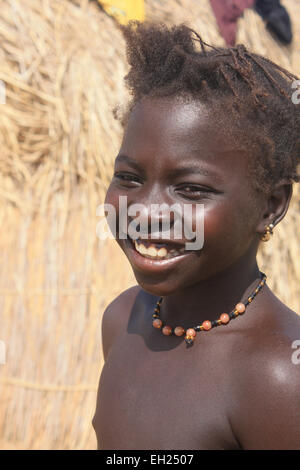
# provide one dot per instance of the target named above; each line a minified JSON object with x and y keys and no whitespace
{"x":206,"y":300}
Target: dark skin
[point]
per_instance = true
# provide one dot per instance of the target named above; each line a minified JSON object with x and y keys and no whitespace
{"x":236,"y":387}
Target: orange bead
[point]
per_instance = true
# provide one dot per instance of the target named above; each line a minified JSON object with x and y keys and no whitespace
{"x":206,"y":325}
{"x":224,"y":318}
{"x":240,"y":307}
{"x":167,"y":330}
{"x":157,"y":323}
{"x":179,"y":331}
{"x":191,"y":332}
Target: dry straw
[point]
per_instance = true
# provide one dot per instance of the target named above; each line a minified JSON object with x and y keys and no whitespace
{"x":63,"y":62}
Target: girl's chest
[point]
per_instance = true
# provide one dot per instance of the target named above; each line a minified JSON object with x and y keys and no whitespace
{"x":151,"y":399}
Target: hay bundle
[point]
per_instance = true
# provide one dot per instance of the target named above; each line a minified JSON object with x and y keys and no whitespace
{"x":62,"y":62}
{"x":63,"y":65}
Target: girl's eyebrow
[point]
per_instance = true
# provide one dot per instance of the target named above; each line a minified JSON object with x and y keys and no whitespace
{"x":124,"y":158}
{"x":195,"y":169}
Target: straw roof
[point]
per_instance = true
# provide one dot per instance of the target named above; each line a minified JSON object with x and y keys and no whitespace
{"x":62,"y":63}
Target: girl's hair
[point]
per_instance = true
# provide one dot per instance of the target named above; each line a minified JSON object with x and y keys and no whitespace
{"x":256,"y":92}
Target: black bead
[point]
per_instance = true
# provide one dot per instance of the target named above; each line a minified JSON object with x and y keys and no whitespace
{"x":189,"y":341}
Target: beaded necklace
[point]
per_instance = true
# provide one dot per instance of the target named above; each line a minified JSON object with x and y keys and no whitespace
{"x":224,"y":319}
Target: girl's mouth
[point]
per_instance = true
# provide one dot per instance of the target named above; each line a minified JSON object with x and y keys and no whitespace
{"x":155,"y":257}
{"x":157,"y":251}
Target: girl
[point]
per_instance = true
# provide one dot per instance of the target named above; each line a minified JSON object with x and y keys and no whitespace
{"x":198,"y":355}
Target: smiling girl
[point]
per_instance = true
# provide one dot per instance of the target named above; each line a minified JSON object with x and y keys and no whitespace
{"x":198,"y":354}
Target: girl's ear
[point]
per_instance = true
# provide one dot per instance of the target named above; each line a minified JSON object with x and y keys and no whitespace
{"x":277,"y":204}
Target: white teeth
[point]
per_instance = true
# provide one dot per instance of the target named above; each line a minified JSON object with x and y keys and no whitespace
{"x":153,"y":252}
{"x":162,"y":252}
{"x":141,"y":249}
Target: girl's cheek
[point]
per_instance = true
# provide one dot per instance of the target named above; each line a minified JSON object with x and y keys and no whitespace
{"x":212,"y":217}
{"x":220,"y":225}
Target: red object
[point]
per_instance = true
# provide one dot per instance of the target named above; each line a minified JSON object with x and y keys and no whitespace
{"x":240,"y":307}
{"x":224,"y":318}
{"x":157,"y":323}
{"x":190,"y":332}
{"x":227,"y":12}
{"x":167,"y":330}
{"x":206,"y":325}
{"x":179,"y":331}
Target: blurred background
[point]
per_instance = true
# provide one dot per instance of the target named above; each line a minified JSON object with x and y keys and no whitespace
{"x":62,"y":64}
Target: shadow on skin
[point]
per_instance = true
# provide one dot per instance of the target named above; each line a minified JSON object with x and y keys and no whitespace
{"x":140,"y":323}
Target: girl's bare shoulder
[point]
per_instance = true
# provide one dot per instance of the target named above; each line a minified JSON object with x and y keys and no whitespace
{"x":272,"y":335}
{"x":267,"y":380}
{"x":116,"y":315}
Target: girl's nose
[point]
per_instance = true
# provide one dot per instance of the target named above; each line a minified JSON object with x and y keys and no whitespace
{"x":151,"y":218}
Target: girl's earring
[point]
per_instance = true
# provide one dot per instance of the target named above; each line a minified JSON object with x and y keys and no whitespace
{"x":268,"y":232}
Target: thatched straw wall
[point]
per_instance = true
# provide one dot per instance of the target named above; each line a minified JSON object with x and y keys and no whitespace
{"x":62,"y":62}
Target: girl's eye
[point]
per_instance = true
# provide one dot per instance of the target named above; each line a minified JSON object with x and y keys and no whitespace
{"x":127,"y":177}
{"x":191,"y":191}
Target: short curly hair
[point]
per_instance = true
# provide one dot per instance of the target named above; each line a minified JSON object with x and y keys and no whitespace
{"x":175,"y":61}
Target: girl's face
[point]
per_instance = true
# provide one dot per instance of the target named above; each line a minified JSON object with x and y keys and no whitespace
{"x":173,"y":153}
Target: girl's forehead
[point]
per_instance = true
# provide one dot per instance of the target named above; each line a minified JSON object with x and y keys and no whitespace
{"x":173,"y":126}
{"x":170,"y":112}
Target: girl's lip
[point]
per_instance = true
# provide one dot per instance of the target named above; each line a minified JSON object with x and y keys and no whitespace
{"x":147,"y":264}
{"x":176,"y":245}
